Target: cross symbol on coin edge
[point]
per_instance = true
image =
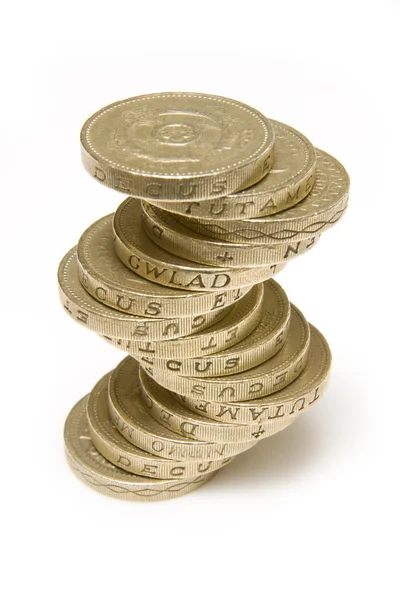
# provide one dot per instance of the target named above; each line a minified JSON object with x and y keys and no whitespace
{"x":225,"y":257}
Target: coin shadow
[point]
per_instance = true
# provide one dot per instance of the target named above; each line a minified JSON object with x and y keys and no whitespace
{"x":280,"y":457}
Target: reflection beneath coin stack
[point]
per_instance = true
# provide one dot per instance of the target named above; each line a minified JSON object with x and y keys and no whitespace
{"x":180,"y":278}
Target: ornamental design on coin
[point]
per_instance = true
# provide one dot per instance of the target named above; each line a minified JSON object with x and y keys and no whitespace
{"x":317,"y":212}
{"x":175,"y":237}
{"x":177,"y":146}
{"x":104,"y":477}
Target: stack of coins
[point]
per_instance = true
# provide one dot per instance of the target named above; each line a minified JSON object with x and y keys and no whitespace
{"x":180,"y":278}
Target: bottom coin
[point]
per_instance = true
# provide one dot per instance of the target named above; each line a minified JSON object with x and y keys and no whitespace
{"x":90,"y":466}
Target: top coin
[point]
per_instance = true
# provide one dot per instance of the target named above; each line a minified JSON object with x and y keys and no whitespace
{"x":177,"y":146}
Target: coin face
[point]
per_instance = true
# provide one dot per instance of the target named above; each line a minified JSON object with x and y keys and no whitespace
{"x":317,"y":212}
{"x":104,"y":477}
{"x":292,"y":400}
{"x":110,"y":282}
{"x":290,"y":179}
{"x":177,"y":146}
{"x":115,"y":448}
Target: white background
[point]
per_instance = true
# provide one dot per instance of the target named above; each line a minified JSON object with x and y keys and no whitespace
{"x":310,"y":513}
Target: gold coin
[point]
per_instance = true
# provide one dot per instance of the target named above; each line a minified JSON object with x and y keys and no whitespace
{"x":261,"y":344}
{"x":241,"y":319}
{"x":292,"y":400}
{"x":115,"y":448}
{"x":166,"y":410}
{"x":176,"y":146}
{"x":290,"y":179}
{"x":138,"y":427}
{"x":148,"y":260}
{"x":108,"y":280}
{"x":171,"y":235}
{"x":104,"y":477}
{"x":84,"y":309}
{"x":266,"y":378}
{"x":320,"y":210}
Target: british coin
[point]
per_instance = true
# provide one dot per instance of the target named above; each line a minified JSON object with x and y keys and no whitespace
{"x":320,"y":210}
{"x":292,"y":400}
{"x":148,"y":260}
{"x":171,"y":235}
{"x":166,"y":410}
{"x":110,"y":282}
{"x":261,"y":344}
{"x":266,"y":378}
{"x":290,"y":179}
{"x":87,"y":311}
{"x":104,"y":477}
{"x":131,"y":418}
{"x":177,"y":146}
{"x":115,"y":448}
{"x":240,"y":321}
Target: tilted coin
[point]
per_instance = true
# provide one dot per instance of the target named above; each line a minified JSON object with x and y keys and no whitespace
{"x":165,"y":408}
{"x":150,"y":261}
{"x":134,"y":422}
{"x":241,"y":319}
{"x":108,"y":280}
{"x":177,"y":146}
{"x":320,"y":210}
{"x":295,"y":398}
{"x":266,"y":378}
{"x":104,"y":477}
{"x":171,"y":235}
{"x":263,"y":342}
{"x":84,"y":309}
{"x":289,"y":181}
{"x":115,"y":448}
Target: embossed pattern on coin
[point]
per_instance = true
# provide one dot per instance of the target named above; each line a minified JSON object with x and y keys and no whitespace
{"x":290,"y":179}
{"x":177,"y":146}
{"x":174,"y":237}
{"x":320,"y":210}
{"x":104,"y":477}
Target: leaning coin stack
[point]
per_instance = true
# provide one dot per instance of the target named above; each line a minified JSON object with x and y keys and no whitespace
{"x":180,"y":278}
